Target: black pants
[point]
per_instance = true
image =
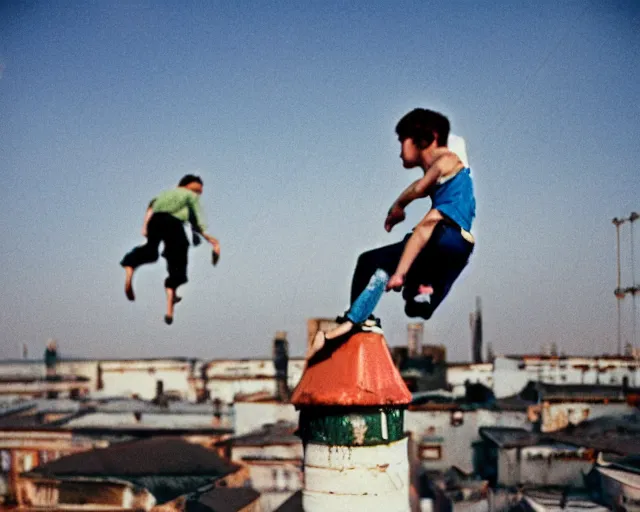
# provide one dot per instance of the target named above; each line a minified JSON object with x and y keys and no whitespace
{"x":165,"y":228}
{"x":439,"y":264}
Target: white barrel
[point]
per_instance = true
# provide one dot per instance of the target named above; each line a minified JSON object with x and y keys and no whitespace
{"x":347,"y":478}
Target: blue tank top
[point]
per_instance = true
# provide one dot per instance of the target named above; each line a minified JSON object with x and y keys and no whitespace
{"x":454,"y":198}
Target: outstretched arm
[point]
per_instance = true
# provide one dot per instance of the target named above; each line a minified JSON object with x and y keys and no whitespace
{"x":196,"y":218}
{"x":213,"y":241}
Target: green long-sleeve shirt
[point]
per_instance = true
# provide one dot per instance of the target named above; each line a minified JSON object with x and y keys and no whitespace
{"x":183,"y":204}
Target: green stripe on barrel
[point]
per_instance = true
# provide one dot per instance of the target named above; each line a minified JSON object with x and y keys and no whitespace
{"x":357,"y":427}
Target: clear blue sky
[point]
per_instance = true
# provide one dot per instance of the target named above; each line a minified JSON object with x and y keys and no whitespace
{"x":288,"y":110}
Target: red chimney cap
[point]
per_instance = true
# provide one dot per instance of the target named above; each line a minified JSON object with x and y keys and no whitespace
{"x":359,"y":373}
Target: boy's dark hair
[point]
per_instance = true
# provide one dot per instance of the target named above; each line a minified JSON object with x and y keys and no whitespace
{"x":189,"y":178}
{"x":422,"y":126}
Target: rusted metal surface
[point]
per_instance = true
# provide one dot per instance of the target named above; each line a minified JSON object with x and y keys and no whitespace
{"x":359,"y":373}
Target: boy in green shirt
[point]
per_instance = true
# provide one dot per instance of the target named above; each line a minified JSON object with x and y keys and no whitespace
{"x":164,"y":222}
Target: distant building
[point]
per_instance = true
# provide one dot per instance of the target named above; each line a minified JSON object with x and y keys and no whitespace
{"x":616,"y":483}
{"x":113,"y":377}
{"x":517,"y":457}
{"x":215,"y":499}
{"x":226,"y":379}
{"x":511,"y":373}
{"x":252,"y":412}
{"x":274,"y":456}
{"x":129,"y":475}
{"x":459,"y":374}
{"x":445,"y":432}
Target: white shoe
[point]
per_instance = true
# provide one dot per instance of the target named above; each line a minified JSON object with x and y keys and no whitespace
{"x":371,"y":326}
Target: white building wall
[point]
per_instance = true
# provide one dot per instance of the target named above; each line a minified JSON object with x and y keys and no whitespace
{"x":536,"y":466}
{"x":435,"y":428}
{"x":457,"y":375}
{"x":251,"y":416}
{"x":508,"y":467}
{"x":539,"y":467}
{"x":276,"y":483}
{"x":557,"y":416}
{"x":127,"y":378}
{"x":277,"y":451}
{"x":230,"y":377}
{"x":147,"y":420}
{"x":511,"y":374}
{"x":227,"y":389}
{"x":252,"y":368}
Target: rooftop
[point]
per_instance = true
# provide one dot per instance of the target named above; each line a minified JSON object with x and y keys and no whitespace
{"x":618,"y":435}
{"x":155,"y":456}
{"x":510,"y":437}
{"x":611,"y":434}
{"x":278,"y":433}
{"x":293,"y":504}
{"x":223,"y":499}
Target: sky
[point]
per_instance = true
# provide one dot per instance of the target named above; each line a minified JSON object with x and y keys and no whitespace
{"x":287,"y":110}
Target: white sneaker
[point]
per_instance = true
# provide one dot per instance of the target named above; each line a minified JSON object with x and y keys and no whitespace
{"x":371,"y":326}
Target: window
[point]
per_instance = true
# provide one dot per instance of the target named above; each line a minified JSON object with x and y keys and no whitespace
{"x":5,"y":461}
{"x":430,"y":452}
{"x":27,"y":462}
{"x":457,"y":418}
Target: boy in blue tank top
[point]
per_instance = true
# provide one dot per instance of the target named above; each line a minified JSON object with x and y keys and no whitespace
{"x":425,"y":264}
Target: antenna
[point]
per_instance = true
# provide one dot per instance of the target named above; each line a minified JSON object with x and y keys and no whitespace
{"x":633,"y":290}
{"x":619,"y":292}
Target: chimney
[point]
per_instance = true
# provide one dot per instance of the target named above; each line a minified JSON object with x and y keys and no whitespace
{"x":281,"y":365}
{"x":475,"y":321}
{"x":352,"y":427}
{"x":415,"y":332}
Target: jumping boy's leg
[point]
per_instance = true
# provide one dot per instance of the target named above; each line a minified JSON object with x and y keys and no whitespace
{"x":434,"y":272}
{"x":171,"y":294}
{"x":359,"y":311}
{"x":176,"y":248}
{"x":147,"y":253}
{"x":128,"y":285}
{"x":367,"y":286}
{"x":385,"y":258}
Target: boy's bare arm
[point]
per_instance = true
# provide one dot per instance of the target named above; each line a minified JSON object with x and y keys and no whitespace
{"x":446,"y":163}
{"x":147,"y":216}
{"x":213,"y":241}
{"x":417,"y":241}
